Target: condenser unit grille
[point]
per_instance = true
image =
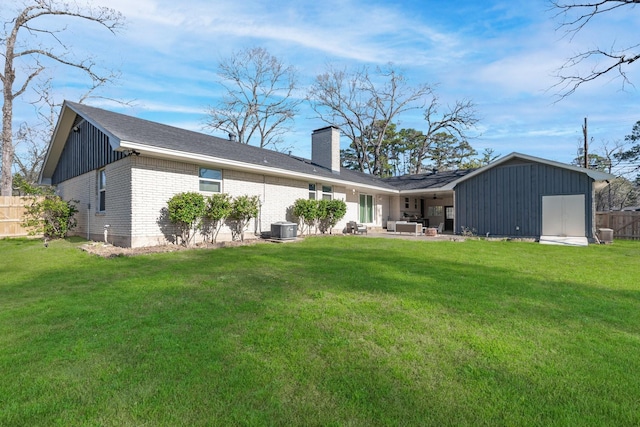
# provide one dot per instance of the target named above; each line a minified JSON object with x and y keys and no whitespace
{"x":284,"y":230}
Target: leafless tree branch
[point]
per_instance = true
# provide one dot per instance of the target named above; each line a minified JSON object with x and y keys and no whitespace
{"x":585,"y":12}
{"x":14,"y":47}
{"x":570,"y":80}
{"x":260,"y":100}
{"x":363,"y":104}
{"x":573,"y":17}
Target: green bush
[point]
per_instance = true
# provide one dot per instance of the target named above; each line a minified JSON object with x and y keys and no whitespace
{"x":322,"y":214}
{"x":307,"y":213}
{"x":329,"y":212}
{"x":243,"y":208}
{"x":186,"y":211}
{"x":219,"y":207}
{"x":50,"y":215}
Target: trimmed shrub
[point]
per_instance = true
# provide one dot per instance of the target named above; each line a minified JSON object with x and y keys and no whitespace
{"x":186,"y":211}
{"x":329,"y":213}
{"x":218,"y":209}
{"x":243,"y":208}
{"x":307,"y":213}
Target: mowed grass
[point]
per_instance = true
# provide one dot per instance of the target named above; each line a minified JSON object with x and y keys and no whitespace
{"x":330,"y":331}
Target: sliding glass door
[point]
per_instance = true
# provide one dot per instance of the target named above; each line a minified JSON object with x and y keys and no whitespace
{"x":366,"y":208}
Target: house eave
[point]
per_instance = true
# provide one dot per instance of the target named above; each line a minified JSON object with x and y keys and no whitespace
{"x":59,"y":137}
{"x":425,"y":190}
{"x":593,"y":174}
{"x":168,"y":154}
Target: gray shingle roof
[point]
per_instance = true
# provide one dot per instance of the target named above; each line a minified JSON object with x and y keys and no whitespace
{"x":132,"y":129}
{"x":426,"y":180}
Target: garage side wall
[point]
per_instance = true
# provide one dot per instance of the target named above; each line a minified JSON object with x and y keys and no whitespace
{"x":506,"y":200}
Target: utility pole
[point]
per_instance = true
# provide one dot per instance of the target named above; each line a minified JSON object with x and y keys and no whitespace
{"x":586,"y":145}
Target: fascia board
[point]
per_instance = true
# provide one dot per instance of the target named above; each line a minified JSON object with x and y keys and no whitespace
{"x":593,"y":174}
{"x":62,"y":130}
{"x":234,"y":164}
{"x":56,"y":145}
{"x":425,"y":190}
{"x":114,"y":141}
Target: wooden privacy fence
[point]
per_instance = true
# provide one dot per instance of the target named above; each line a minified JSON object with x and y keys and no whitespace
{"x":625,"y":225}
{"x":12,"y":210}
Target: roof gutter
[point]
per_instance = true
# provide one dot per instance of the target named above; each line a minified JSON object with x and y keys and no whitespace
{"x":234,"y":164}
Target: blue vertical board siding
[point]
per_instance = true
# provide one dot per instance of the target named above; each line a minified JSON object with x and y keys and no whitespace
{"x":85,"y":150}
{"x":506,"y":200}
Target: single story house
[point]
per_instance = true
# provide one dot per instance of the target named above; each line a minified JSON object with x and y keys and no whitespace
{"x":122,"y":170}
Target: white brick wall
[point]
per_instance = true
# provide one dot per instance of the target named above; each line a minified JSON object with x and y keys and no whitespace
{"x":325,"y":148}
{"x":118,"y":207}
{"x":138,"y":189}
{"x":153,"y":183}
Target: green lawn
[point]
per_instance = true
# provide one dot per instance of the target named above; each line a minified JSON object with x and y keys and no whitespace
{"x":329,"y":331}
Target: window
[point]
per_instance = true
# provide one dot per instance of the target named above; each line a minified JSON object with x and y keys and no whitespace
{"x":312,"y":191}
{"x":210,"y":180}
{"x":406,"y":203}
{"x":327,"y":192}
{"x":366,"y":208}
{"x":102,"y":190}
{"x":434,"y":211}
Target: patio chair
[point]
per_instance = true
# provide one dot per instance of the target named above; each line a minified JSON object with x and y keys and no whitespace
{"x":357,"y":228}
{"x":440,"y":227}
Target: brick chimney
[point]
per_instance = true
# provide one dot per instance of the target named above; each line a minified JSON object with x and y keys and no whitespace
{"x":325,"y":148}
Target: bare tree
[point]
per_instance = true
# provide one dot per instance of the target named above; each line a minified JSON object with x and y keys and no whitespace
{"x":259,"y":104}
{"x":608,"y":157}
{"x":34,"y":54}
{"x":363,"y":105}
{"x":34,"y":137}
{"x":455,"y":121}
{"x":574,"y":16}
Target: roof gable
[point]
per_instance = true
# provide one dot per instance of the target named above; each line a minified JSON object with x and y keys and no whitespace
{"x":519,"y":158}
{"x":155,"y":139}
{"x":159,"y":140}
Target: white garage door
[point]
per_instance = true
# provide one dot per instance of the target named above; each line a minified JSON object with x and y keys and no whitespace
{"x":563,"y":216}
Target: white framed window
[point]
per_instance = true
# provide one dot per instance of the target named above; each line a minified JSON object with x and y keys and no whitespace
{"x":210,"y":180}
{"x":327,"y":192}
{"x":434,"y":210}
{"x":102,"y":190}
{"x":406,"y":203}
{"x":312,"y":191}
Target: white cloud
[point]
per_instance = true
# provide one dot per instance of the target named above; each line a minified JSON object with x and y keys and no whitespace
{"x":500,"y":54}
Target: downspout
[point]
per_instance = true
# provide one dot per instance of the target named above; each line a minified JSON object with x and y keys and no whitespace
{"x":594,"y":230}
{"x":89,"y":214}
{"x":262,"y":200}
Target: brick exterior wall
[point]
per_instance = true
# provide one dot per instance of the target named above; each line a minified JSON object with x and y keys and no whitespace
{"x":91,"y":223}
{"x":154,"y":181}
{"x":325,"y":148}
{"x":138,"y":189}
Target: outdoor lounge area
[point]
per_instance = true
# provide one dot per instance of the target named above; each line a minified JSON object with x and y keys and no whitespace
{"x":415,"y":228}
{"x":406,"y":227}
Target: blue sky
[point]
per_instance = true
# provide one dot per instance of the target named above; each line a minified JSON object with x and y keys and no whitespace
{"x":501,"y":55}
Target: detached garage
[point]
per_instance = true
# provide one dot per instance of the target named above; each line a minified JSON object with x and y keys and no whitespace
{"x":529,"y":197}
